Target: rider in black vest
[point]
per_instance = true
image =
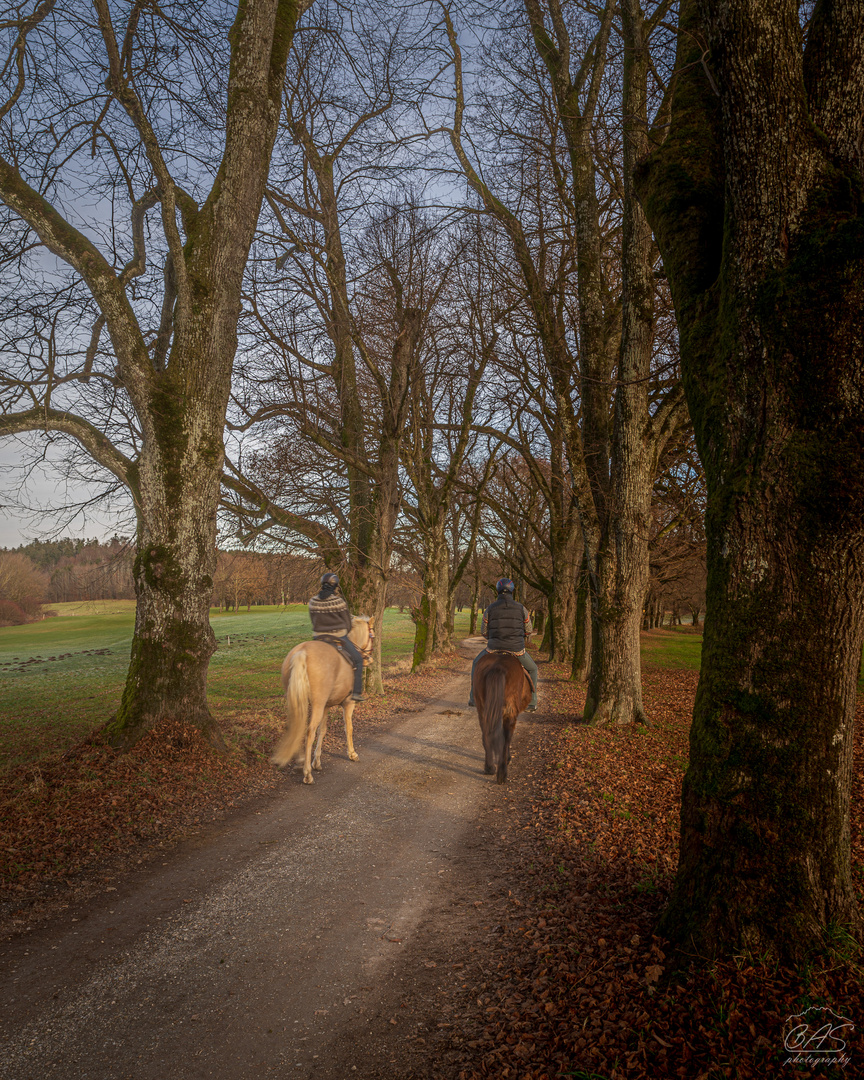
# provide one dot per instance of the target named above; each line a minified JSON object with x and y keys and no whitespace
{"x":506,"y":626}
{"x":330,"y":616}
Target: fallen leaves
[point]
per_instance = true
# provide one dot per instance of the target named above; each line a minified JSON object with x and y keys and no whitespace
{"x":581,"y":984}
{"x":93,"y":802}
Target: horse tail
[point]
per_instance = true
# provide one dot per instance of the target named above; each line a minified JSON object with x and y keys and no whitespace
{"x":493,"y":720}
{"x":297,"y":697}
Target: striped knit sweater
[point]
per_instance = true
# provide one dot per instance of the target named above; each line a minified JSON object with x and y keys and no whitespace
{"x":330,"y":616}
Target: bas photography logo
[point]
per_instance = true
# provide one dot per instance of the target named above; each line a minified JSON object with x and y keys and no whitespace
{"x":816,"y":1037}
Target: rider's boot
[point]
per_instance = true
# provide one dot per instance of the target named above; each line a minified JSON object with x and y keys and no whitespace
{"x":358,"y":684}
{"x":533,"y":706}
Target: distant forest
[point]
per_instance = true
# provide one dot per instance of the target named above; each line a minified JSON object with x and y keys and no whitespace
{"x":40,"y":573}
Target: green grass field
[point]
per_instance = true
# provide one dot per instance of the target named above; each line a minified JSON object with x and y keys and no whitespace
{"x":679,"y":647}
{"x":61,"y":677}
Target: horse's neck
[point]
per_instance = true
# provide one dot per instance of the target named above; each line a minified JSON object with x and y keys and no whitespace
{"x":359,"y":633}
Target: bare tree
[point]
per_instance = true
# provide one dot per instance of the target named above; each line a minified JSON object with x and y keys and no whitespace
{"x":611,"y":467}
{"x":441,"y":527}
{"x":616,"y":519}
{"x":331,"y":368}
{"x":23,"y":588}
{"x":88,"y":110}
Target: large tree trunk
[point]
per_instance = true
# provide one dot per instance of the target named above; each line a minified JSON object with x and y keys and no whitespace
{"x":581,"y":667}
{"x":562,"y":617}
{"x":432,"y":633}
{"x":613,"y":478}
{"x":615,"y":679}
{"x":173,"y":640}
{"x":767,"y":275}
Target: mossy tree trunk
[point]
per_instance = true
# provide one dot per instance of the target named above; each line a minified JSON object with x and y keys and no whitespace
{"x":562,"y":609}
{"x":179,"y":382}
{"x":178,"y":492}
{"x":756,"y":200}
{"x":432,"y":634}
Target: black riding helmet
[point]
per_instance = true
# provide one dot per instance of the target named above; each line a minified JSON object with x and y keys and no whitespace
{"x":505,"y":584}
{"x":330,"y":579}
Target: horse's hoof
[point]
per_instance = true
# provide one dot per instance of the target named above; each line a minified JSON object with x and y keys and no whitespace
{"x":310,"y":779}
{"x":316,"y":765}
{"x":354,"y":757}
{"x":501,"y":778}
{"x":488,"y":769}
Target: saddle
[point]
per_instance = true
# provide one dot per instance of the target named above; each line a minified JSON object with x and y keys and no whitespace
{"x":337,"y":644}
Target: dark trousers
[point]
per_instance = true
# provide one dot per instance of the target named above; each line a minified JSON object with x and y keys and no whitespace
{"x":356,"y":658}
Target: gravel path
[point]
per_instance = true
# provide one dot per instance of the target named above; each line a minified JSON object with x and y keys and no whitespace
{"x":302,"y":938}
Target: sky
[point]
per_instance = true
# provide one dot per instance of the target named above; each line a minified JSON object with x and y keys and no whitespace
{"x":43,"y":490}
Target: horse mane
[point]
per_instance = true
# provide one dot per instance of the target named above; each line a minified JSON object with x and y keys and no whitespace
{"x":359,"y":623}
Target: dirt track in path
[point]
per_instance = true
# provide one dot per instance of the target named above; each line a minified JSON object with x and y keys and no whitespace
{"x":309,"y":936}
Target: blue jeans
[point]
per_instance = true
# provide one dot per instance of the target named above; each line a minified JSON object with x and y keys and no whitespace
{"x":525,"y":660}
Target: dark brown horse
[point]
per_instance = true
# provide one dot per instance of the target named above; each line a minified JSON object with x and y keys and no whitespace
{"x":502,"y":690}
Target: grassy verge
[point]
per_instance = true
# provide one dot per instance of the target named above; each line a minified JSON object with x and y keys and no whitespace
{"x":672,"y":649}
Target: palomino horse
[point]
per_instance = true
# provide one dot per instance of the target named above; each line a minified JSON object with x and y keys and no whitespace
{"x":314,"y":677}
{"x":502,"y":690}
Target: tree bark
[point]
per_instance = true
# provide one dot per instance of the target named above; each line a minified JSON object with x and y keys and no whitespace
{"x":581,"y":668}
{"x":173,"y":571}
{"x":756,"y":200}
{"x":432,"y":632}
{"x":562,"y":599}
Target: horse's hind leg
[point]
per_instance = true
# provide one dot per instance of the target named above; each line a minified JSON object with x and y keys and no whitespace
{"x":509,"y":728}
{"x":489,"y":763}
{"x":315,"y":721}
{"x":348,"y":716}
{"x":504,"y":759}
{"x":322,"y":731}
